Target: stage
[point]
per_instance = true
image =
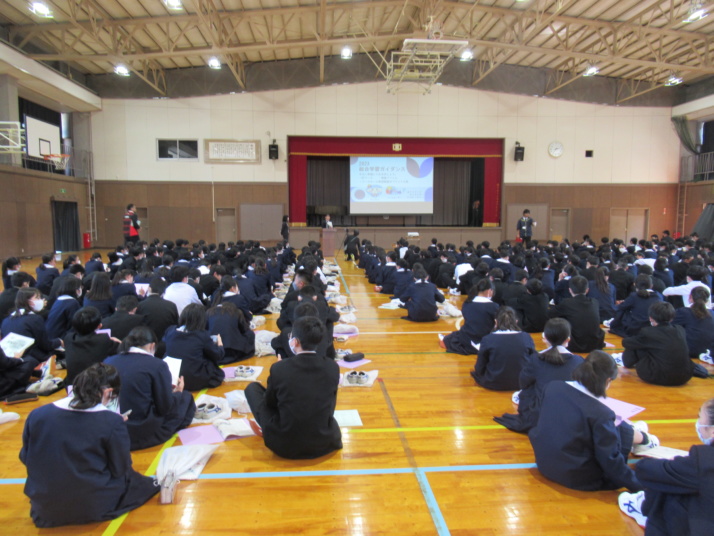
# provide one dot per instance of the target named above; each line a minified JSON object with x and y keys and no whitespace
{"x":387,"y":236}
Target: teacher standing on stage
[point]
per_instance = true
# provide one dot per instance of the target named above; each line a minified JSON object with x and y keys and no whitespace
{"x":525,"y":227}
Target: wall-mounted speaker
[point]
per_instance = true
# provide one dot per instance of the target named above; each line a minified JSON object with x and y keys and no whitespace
{"x":273,"y":151}
{"x":520,"y":153}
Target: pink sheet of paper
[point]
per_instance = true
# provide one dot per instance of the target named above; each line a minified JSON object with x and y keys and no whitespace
{"x":609,"y":345}
{"x":206,"y":434}
{"x":623,"y":410}
{"x":344,"y":364}
{"x":230,"y":372}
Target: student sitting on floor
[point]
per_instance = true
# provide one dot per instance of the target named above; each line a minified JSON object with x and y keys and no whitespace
{"x":59,"y":320}
{"x":632,"y":314}
{"x":503,"y":353}
{"x":659,"y":352}
{"x":697,"y":322}
{"x":100,"y":294}
{"x":199,"y":355}
{"x":531,"y":307}
{"x":25,"y":320}
{"x":583,"y":315}
{"x":296,"y":411}
{"x":553,"y":363}
{"x":576,"y":442}
{"x":420,"y":298}
{"x":677,"y":498}
{"x":226,"y":320}
{"x":46,"y":272}
{"x":76,"y":450}
{"x":15,"y":373}
{"x":479,"y":314}
{"x":83,"y":346}
{"x":158,"y":409}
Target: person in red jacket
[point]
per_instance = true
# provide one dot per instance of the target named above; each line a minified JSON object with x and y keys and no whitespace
{"x":131,"y":224}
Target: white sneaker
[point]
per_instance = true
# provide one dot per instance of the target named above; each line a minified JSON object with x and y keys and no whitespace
{"x":641,"y":426}
{"x":516,"y":397}
{"x":618,"y":360}
{"x":706,"y":358}
{"x":631,"y":505}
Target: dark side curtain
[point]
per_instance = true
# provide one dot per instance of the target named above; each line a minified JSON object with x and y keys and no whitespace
{"x":65,"y":220}
{"x":457,"y":184}
{"x":705,"y":224}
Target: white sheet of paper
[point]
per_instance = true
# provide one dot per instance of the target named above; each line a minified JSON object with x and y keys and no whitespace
{"x":348,"y":417}
{"x":142,"y":288}
{"x":14,"y":343}
{"x":174,"y":367}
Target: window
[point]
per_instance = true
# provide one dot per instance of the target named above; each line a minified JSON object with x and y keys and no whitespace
{"x":171,"y":149}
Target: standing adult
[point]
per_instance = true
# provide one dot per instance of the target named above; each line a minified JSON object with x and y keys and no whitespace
{"x":525,"y":227}
{"x":284,"y":229}
{"x":327,"y":222}
{"x":476,"y":213}
{"x":131,"y":224}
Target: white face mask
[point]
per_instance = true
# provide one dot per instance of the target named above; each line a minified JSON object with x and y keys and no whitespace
{"x":292,"y":344}
{"x":699,"y":427}
{"x":37,"y":305}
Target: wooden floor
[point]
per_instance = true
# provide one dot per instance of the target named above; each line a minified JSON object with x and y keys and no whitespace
{"x":428,"y":459}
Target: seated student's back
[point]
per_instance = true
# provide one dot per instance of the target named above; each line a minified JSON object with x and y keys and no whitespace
{"x":83,"y":345}
{"x":697,"y":322}
{"x":583,"y":315}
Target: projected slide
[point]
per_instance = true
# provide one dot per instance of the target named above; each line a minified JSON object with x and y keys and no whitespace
{"x":391,"y":185}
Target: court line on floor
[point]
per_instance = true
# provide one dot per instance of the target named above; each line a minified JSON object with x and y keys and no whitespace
{"x":116,"y":524}
{"x":426,"y":491}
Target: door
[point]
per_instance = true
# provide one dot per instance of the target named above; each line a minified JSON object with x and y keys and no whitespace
{"x":65,"y":226}
{"x":225,"y":225}
{"x":559,"y":224}
{"x":626,"y":223}
{"x":261,"y":222}
{"x":143,"y":214}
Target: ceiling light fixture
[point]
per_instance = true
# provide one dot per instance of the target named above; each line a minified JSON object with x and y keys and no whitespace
{"x":214,"y":62}
{"x":173,"y":4}
{"x":346,"y":53}
{"x":673,"y":80}
{"x":41,"y":10}
{"x":591,"y":70}
{"x":467,"y":55}
{"x":696,"y":11}
{"x":121,"y":70}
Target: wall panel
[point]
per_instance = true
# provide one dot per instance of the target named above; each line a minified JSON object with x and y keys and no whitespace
{"x":26,"y":217}
{"x":179,"y":209}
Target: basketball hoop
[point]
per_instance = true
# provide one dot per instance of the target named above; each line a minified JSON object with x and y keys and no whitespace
{"x":59,"y":161}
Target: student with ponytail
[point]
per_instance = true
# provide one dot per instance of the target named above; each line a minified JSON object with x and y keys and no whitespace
{"x":697,"y":322}
{"x":576,"y":442}
{"x":228,"y":292}
{"x":604,"y":292}
{"x":553,"y":363}
{"x":502,"y":353}
{"x":158,"y":409}
{"x":76,"y":450}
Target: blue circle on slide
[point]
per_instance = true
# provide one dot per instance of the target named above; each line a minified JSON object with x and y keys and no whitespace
{"x":429,"y":195}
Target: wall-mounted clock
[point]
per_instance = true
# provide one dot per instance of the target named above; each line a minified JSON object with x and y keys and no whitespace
{"x":555,"y":149}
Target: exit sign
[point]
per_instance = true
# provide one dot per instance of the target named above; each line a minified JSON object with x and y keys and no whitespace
{"x":63,"y":191}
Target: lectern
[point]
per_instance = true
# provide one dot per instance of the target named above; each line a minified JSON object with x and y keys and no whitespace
{"x":327,"y":240}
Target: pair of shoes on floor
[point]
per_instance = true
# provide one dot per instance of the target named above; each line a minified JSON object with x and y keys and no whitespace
{"x":618,"y":359}
{"x":206,"y":411}
{"x":631,"y":505}
{"x":706,"y":358}
{"x":244,"y":371}
{"x":357,"y":377}
{"x":651,"y":440}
